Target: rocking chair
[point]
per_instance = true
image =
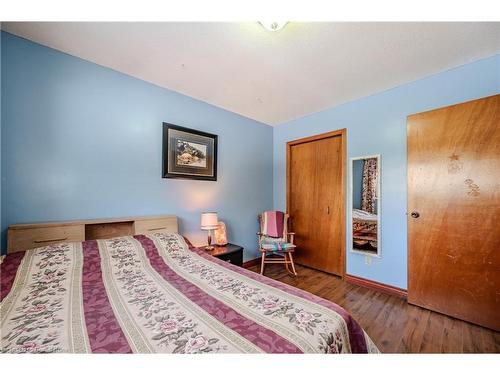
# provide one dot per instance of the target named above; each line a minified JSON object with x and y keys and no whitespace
{"x":275,"y":242}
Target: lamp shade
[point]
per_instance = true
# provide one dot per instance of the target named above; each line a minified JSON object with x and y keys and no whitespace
{"x":209,"y":220}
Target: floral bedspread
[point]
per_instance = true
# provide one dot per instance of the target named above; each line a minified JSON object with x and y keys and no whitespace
{"x":154,"y":294}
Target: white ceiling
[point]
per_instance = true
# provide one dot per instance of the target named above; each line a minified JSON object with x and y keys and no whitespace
{"x":271,"y":77}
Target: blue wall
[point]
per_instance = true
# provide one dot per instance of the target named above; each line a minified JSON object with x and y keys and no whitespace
{"x":377,"y":125}
{"x":83,"y":141}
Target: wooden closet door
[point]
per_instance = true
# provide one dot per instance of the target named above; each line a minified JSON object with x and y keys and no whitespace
{"x":454,"y":189}
{"x":315,"y":199}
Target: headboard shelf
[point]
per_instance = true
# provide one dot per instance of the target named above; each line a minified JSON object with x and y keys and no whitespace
{"x":32,"y":235}
{"x":90,"y":221}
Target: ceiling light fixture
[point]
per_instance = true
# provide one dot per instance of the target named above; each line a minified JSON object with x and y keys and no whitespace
{"x":273,"y":25}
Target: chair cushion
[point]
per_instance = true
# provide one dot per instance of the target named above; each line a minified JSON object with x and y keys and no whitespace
{"x":277,"y":246}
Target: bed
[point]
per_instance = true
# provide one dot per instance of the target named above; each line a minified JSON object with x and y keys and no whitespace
{"x":155,"y":293}
{"x":364,"y":230}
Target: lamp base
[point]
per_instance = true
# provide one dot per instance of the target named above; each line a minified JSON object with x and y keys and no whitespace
{"x":209,"y":240}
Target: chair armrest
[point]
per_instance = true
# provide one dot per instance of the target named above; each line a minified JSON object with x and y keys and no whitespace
{"x":259,"y":238}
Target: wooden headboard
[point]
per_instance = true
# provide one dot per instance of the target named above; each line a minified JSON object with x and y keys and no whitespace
{"x":29,"y":236}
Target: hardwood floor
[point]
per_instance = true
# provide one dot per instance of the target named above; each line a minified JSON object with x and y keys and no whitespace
{"x":394,"y":325}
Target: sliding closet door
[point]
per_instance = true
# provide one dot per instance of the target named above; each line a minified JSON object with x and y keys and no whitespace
{"x":315,"y":200}
{"x":454,"y":211}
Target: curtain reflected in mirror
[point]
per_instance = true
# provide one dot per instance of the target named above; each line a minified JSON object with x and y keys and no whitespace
{"x":365,"y":193}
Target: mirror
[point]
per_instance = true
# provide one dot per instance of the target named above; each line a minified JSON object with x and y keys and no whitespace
{"x":365,"y":205}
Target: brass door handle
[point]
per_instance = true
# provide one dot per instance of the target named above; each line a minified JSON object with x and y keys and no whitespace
{"x":157,"y":228}
{"x":415,"y":215}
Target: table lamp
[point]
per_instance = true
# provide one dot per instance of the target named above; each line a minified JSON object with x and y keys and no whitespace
{"x":209,"y":221}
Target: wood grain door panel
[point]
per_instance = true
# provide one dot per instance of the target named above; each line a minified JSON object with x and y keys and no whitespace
{"x":454,"y":184}
{"x":315,"y":191}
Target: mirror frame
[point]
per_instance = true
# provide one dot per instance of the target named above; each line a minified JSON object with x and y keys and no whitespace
{"x":379,"y":206}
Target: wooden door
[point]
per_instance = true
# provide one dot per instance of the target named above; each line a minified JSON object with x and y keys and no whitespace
{"x":315,"y":200}
{"x":454,"y":195}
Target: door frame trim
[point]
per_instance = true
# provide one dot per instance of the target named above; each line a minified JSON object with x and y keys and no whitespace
{"x":342,"y":133}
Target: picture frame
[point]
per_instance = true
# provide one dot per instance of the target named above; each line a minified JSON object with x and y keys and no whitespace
{"x":189,"y":153}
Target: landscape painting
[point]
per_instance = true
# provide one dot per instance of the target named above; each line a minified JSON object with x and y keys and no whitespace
{"x":189,"y":153}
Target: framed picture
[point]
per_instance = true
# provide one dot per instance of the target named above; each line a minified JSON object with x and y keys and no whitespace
{"x":189,"y":153}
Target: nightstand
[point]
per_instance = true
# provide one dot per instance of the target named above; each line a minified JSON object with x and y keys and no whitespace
{"x":230,"y":253}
